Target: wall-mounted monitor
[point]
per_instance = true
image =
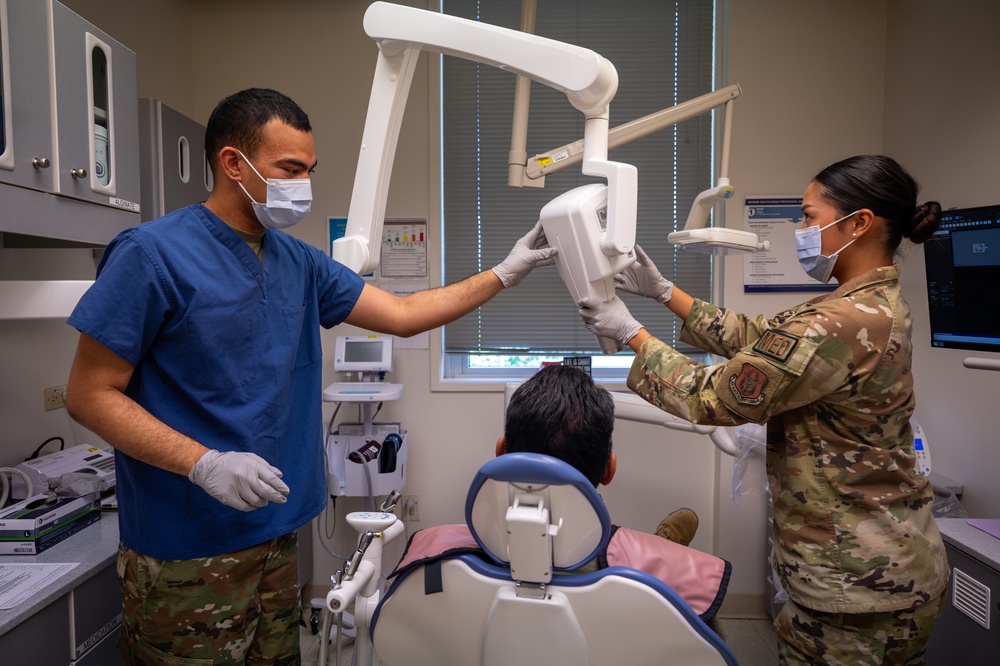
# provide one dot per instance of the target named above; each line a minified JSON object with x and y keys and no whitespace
{"x":963,"y":279}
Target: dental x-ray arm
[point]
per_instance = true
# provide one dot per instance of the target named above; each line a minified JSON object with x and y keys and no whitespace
{"x":588,"y":80}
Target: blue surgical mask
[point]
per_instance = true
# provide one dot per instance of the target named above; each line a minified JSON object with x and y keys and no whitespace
{"x":809,"y":246}
{"x":289,"y":200}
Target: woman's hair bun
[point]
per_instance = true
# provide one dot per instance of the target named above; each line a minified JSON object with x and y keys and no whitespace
{"x":925,"y":222}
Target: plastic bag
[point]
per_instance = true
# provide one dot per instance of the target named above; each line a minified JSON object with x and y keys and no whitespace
{"x":77,"y":484}
{"x":946,"y":504}
{"x":749,"y":472}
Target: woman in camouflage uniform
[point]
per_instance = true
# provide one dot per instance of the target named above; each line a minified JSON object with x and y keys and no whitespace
{"x":856,"y":546}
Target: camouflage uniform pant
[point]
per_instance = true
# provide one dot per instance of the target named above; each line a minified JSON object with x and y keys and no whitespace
{"x":239,"y":608}
{"x":893,"y":638}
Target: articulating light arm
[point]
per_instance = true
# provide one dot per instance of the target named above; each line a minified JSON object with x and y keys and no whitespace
{"x":559,"y":158}
{"x":588,"y":80}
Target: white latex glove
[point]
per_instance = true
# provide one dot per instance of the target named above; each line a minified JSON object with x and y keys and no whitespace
{"x":643,"y":279}
{"x":609,"y":320}
{"x":244,"y":481}
{"x":526,"y":254}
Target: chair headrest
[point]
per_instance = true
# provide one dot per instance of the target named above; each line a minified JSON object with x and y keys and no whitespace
{"x":573,"y":505}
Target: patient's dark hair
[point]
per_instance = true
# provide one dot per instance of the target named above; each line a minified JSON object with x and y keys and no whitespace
{"x":562,"y":413}
{"x":239,"y":121}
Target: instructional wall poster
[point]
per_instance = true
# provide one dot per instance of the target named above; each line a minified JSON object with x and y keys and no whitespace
{"x":775,"y":219}
{"x":404,"y":248}
{"x":403,"y":262}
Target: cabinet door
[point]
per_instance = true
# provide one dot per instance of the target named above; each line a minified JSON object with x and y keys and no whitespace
{"x":172,"y":155}
{"x":40,"y":640}
{"x":185,"y":180}
{"x":96,"y":109}
{"x":26,"y":155}
{"x":96,"y":612}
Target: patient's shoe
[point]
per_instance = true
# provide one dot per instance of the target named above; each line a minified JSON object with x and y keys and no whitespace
{"x":679,"y":526}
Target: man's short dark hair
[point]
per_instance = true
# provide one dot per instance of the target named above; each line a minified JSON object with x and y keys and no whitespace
{"x":562,"y":413}
{"x":239,"y":121}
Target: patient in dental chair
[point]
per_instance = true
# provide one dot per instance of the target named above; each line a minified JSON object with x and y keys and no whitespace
{"x":562,"y":413}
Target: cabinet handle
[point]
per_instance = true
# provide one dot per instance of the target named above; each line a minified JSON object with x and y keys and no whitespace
{"x":78,"y":173}
{"x":40,"y":162}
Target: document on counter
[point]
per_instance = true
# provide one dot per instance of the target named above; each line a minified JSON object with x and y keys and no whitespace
{"x":19,"y":582}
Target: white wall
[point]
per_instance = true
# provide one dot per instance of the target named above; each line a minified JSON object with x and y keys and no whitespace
{"x":821,"y":81}
{"x":941,"y":99}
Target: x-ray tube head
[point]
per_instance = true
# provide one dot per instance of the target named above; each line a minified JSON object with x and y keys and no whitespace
{"x":575,"y":223}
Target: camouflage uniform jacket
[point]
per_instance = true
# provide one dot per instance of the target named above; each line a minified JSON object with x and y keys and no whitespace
{"x":831,"y":378}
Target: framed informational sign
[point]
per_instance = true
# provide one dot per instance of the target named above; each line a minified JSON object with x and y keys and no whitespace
{"x":775,"y":219}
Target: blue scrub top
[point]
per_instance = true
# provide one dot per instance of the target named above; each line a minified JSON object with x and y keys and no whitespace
{"x":227,"y":351}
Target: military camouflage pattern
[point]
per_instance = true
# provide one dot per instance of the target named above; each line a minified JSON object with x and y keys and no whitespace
{"x":238,"y":608}
{"x":831,"y":378}
{"x":893,"y":638}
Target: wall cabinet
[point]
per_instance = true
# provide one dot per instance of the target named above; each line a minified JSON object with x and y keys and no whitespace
{"x":172,"y":155}
{"x":69,"y":156}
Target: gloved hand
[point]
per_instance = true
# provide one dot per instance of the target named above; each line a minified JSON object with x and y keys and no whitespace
{"x":609,"y":320}
{"x":643,"y":279}
{"x":526,"y":254}
{"x":244,"y":481}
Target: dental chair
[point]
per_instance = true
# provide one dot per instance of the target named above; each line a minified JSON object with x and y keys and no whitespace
{"x":519,"y":598}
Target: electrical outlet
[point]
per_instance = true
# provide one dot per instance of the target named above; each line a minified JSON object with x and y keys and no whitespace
{"x":411,"y":508}
{"x":55,"y":398}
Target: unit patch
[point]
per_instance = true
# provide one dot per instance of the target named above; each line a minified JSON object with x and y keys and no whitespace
{"x":748,"y":385}
{"x":776,"y":345}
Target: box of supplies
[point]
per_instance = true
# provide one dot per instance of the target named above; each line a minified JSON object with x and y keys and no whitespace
{"x":38,"y":522}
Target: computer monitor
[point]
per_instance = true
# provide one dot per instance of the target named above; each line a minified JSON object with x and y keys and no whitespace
{"x":963,"y":279}
{"x":363,"y":353}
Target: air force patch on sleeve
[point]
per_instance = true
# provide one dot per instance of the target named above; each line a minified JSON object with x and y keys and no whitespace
{"x":748,"y":385}
{"x":776,"y":345}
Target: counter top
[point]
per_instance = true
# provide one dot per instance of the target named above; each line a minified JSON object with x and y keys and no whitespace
{"x":971,"y":540}
{"x":94,"y":547}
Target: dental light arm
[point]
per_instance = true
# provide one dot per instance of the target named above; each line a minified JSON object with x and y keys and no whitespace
{"x":696,"y":235}
{"x":700,"y":237}
{"x":631,"y":407}
{"x":536,"y":168}
{"x":588,"y":80}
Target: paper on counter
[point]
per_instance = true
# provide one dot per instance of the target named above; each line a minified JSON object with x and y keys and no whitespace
{"x":19,"y":582}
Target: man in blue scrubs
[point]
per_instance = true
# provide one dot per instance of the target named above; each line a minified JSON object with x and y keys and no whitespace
{"x":200,"y":361}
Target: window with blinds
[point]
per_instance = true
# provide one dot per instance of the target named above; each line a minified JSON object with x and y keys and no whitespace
{"x":663,"y":52}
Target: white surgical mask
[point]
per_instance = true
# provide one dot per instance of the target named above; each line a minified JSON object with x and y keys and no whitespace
{"x":289,"y":200}
{"x":809,"y":246}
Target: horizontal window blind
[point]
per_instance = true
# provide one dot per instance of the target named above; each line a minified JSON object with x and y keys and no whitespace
{"x":663,"y":54}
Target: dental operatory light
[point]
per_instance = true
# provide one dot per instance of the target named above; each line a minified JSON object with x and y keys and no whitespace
{"x":696,"y":234}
